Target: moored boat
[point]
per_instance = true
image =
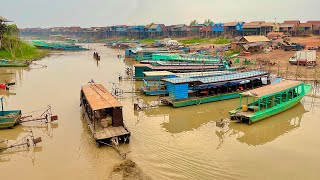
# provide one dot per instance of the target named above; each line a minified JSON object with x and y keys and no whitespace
{"x":267,"y":101}
{"x":192,"y":91}
{"x":14,"y":63}
{"x":58,"y":46}
{"x":139,"y":69}
{"x":103,"y":114}
{"x":8,"y":118}
{"x":153,"y":83}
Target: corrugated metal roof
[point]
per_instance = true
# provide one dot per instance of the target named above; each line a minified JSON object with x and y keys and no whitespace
{"x":158,"y":73}
{"x":268,"y":24}
{"x":306,"y":25}
{"x":286,"y":25}
{"x":232,"y":23}
{"x":216,"y":79}
{"x":273,"y":88}
{"x":251,"y":25}
{"x":253,"y":39}
{"x":98,"y":97}
{"x":292,"y":22}
{"x":175,"y":67}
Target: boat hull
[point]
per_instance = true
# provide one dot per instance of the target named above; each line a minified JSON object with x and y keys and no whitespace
{"x":275,"y":110}
{"x":208,"y":99}
{"x":8,"y":121}
{"x":155,"y":92}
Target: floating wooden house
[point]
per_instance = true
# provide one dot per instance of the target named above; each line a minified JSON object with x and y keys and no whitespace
{"x":267,"y":101}
{"x":192,"y":91}
{"x":103,"y":114}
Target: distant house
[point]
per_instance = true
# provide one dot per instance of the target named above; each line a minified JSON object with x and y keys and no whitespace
{"x":290,"y":27}
{"x":251,"y":43}
{"x":267,"y":27}
{"x":179,"y":27}
{"x":315,"y":26}
{"x":196,"y":27}
{"x":253,"y":28}
{"x":218,"y":27}
{"x":233,"y":28}
{"x":305,"y":29}
{"x":122,"y":28}
{"x":139,"y":28}
{"x":157,"y":28}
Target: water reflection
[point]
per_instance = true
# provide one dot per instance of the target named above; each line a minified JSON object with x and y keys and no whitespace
{"x":177,"y":120}
{"x":264,"y":131}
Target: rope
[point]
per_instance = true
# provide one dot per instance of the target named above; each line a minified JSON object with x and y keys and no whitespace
{"x":44,"y":108}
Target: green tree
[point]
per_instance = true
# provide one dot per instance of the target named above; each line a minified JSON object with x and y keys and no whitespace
{"x":194,"y":22}
{"x":208,"y":21}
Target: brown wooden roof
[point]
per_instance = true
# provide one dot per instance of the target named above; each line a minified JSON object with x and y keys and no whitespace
{"x":273,"y":88}
{"x":98,"y":97}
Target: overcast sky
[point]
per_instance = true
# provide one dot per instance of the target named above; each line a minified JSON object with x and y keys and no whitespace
{"x":87,"y":13}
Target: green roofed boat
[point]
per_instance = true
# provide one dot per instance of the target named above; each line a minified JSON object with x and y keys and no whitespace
{"x":58,"y":46}
{"x":8,"y":118}
{"x":267,"y":101}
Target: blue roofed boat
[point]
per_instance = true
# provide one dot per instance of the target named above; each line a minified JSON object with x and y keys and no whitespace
{"x":186,"y":91}
{"x":153,"y":83}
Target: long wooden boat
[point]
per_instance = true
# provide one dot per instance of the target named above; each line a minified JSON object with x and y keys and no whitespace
{"x":153,"y":83}
{"x":14,"y":63}
{"x":193,"y":91}
{"x":103,"y":114}
{"x":8,"y":118}
{"x":267,"y":101}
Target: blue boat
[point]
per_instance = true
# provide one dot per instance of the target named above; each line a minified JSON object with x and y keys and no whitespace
{"x":153,"y":83}
{"x":8,"y":118}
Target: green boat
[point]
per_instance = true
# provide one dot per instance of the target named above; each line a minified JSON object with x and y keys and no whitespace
{"x":8,"y":118}
{"x":14,"y":63}
{"x":267,"y":101}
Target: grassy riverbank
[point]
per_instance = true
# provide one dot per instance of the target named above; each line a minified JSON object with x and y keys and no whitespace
{"x":219,"y":40}
{"x":25,"y":52}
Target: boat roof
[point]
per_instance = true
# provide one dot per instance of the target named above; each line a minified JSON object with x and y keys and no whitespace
{"x":271,"y":89}
{"x":158,"y":73}
{"x":216,"y":79}
{"x":175,"y":67}
{"x":205,"y":73}
{"x":98,"y":97}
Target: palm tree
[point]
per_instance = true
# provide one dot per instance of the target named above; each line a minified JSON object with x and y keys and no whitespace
{"x":208,"y":21}
{"x":194,"y":22}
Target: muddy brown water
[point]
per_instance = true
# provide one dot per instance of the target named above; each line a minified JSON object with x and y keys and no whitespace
{"x":166,"y":143}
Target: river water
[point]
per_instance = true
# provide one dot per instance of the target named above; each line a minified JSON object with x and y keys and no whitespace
{"x":166,"y":143}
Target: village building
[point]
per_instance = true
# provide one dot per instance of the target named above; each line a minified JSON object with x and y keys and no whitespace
{"x":251,"y":43}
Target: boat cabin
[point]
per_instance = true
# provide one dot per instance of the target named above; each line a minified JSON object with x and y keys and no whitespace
{"x":260,"y":103}
{"x":103,"y":113}
{"x":153,"y":84}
